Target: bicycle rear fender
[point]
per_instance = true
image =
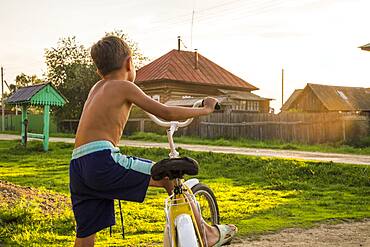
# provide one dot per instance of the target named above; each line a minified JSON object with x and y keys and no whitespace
{"x":191,"y":182}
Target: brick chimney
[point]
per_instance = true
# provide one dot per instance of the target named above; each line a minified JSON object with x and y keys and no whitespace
{"x":178,"y":43}
{"x":196,"y":59}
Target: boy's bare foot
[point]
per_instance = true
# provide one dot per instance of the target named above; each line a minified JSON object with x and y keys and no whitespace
{"x":221,"y":234}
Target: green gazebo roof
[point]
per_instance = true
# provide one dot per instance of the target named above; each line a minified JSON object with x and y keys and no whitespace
{"x":39,"y":94}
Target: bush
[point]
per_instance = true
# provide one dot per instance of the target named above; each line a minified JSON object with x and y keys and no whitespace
{"x":360,"y":143}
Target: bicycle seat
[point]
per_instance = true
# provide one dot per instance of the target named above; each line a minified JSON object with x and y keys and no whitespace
{"x":174,"y":168}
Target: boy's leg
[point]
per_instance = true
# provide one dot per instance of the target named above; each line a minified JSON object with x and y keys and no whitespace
{"x":212,"y":234}
{"x":164,"y":183}
{"x":85,"y":242}
{"x":168,"y":185}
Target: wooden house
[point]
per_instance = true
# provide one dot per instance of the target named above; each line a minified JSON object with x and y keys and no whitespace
{"x":182,"y":77}
{"x":325,"y":98}
{"x":365,"y":47}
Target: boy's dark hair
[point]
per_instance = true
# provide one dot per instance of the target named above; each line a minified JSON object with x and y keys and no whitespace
{"x":109,"y":53}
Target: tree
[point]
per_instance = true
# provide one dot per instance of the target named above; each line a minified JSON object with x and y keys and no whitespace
{"x":71,"y":69}
{"x":12,"y":88}
{"x":23,"y":80}
{"x":139,"y":59}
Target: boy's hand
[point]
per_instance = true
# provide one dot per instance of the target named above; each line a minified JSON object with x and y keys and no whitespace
{"x":210,"y":104}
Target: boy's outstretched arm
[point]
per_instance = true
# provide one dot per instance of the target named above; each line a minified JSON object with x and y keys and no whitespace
{"x":170,"y":113}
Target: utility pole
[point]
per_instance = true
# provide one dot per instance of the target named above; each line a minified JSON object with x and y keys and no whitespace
{"x":282,"y":87}
{"x":7,"y":85}
{"x":2,"y":101}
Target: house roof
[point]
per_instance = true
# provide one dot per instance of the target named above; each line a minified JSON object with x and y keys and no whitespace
{"x":337,"y":98}
{"x":365,"y":47}
{"x":39,"y":94}
{"x":179,"y":66}
{"x":291,"y":99}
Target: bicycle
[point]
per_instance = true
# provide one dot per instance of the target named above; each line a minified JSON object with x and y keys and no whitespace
{"x":181,"y":227}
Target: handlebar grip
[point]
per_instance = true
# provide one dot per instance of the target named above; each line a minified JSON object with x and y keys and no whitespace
{"x":217,"y":106}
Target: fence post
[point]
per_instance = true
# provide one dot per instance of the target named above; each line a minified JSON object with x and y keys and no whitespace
{"x":23,"y":131}
{"x":344,"y":129}
{"x":142,"y":125}
{"x":308,"y":133}
{"x":260,"y":132}
{"x":46,"y":127}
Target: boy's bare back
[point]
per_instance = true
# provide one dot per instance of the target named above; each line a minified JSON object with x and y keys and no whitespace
{"x":105,"y":113}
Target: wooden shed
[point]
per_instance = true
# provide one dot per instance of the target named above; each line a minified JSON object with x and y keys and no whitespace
{"x":365,"y":47}
{"x":180,"y":77}
{"x":325,"y":98}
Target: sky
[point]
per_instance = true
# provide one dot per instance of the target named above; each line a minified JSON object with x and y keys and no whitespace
{"x":315,"y":41}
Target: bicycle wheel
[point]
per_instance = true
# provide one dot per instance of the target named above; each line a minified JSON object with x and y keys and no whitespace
{"x":207,"y":202}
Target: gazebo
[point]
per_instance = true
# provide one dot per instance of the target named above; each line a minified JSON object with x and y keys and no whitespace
{"x":45,"y":95}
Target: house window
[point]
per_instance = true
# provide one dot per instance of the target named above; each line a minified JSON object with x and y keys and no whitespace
{"x":156,"y":97}
{"x":242,"y":105}
{"x":250,"y":106}
{"x":253,"y":106}
{"x":256,"y":106}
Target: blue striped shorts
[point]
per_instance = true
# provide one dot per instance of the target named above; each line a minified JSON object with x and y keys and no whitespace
{"x":99,"y":173}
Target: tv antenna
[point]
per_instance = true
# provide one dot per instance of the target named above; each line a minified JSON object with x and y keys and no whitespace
{"x":192,"y":25}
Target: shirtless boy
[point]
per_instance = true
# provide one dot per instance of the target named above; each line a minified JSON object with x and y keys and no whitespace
{"x":99,"y":173}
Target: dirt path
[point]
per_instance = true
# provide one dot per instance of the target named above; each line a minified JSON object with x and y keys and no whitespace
{"x":50,"y":203}
{"x":303,"y":155}
{"x":353,"y":234}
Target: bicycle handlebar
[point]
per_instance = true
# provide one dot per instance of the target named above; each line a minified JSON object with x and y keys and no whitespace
{"x":180,"y":124}
{"x":217,"y":106}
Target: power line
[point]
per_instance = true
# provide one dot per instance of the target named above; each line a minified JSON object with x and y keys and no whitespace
{"x":245,"y":14}
{"x":242,"y":12}
{"x":180,"y":19}
{"x":187,"y":15}
{"x":182,"y":42}
{"x":239,"y":13}
{"x":251,"y":11}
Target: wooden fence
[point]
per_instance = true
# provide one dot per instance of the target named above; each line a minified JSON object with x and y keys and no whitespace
{"x":13,"y":122}
{"x":290,"y":127}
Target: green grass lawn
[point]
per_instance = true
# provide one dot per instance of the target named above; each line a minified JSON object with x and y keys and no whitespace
{"x":259,"y":195}
{"x":363,"y":149}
